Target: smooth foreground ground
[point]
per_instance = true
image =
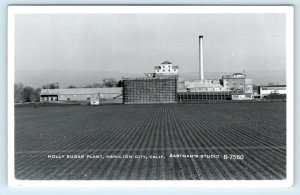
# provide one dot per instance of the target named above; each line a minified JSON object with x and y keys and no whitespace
{"x":118,"y":132}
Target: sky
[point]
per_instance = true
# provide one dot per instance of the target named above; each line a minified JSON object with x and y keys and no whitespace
{"x":135,"y":43}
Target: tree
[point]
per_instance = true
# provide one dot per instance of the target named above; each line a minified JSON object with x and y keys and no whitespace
{"x":18,"y":92}
{"x":97,"y":85}
{"x":28,"y":94}
{"x":255,"y":87}
{"x":72,"y":86}
{"x":109,"y":82}
{"x":37,"y":93}
{"x":120,"y":83}
{"x":51,"y":86}
{"x":94,"y":85}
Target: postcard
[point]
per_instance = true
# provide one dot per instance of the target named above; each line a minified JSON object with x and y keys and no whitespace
{"x":148,"y":95}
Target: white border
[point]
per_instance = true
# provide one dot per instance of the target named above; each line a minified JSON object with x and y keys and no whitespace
{"x":287,"y":10}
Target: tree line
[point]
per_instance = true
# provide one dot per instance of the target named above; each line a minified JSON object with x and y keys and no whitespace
{"x":106,"y":82}
{"x":26,"y":93}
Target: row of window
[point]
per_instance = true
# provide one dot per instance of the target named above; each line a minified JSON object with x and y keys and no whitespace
{"x":169,"y":70}
{"x":164,"y":67}
{"x":49,"y":99}
{"x":56,"y":99}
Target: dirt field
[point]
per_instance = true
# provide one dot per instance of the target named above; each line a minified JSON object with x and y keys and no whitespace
{"x":185,"y":141}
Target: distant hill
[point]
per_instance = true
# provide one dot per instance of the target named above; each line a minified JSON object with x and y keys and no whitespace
{"x":65,"y":78}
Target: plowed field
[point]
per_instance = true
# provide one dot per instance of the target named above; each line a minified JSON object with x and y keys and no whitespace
{"x":165,"y":142}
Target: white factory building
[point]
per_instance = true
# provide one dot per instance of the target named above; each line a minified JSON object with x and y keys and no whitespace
{"x":200,"y":86}
{"x":166,"y":68}
{"x":265,"y":91}
{"x":237,"y":82}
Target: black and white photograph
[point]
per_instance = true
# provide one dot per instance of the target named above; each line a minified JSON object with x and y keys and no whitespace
{"x":175,"y":95}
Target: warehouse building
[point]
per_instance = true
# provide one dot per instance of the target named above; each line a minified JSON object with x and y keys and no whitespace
{"x":265,"y":91}
{"x":201,"y":90}
{"x":200,"y":86}
{"x":81,"y":94}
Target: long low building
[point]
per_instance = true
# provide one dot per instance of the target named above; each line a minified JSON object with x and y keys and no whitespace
{"x":80,"y":94}
{"x":271,"y":89}
{"x":200,"y":86}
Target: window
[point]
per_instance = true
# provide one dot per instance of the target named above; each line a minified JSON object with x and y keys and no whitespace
{"x":88,"y":98}
{"x":163,"y":70}
{"x":169,"y":70}
{"x":68,"y":99}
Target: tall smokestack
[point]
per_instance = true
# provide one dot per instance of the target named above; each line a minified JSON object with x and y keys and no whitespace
{"x":201,"y":74}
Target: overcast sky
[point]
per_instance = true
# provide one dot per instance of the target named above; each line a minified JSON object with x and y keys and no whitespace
{"x":136,"y":43}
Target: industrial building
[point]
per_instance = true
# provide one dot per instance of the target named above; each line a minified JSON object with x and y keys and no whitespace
{"x":200,"y":86}
{"x":149,"y":90}
{"x":265,"y":91}
{"x":81,"y":94}
{"x":237,"y":82}
{"x":156,"y":88}
{"x":166,"y":69}
{"x":165,"y":86}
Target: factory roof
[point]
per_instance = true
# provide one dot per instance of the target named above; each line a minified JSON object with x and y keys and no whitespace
{"x":150,"y":78}
{"x":166,"y":62}
{"x":49,"y":91}
{"x":273,"y":86}
{"x":78,"y":91}
{"x":197,"y":84}
{"x":238,"y":74}
{"x":234,"y":76}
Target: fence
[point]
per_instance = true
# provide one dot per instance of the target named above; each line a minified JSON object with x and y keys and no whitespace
{"x":193,"y":97}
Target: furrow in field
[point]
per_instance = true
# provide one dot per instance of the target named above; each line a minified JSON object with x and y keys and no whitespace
{"x":207,"y":140}
{"x":112,"y":167}
{"x":262,"y":164}
{"x":204,"y":139}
